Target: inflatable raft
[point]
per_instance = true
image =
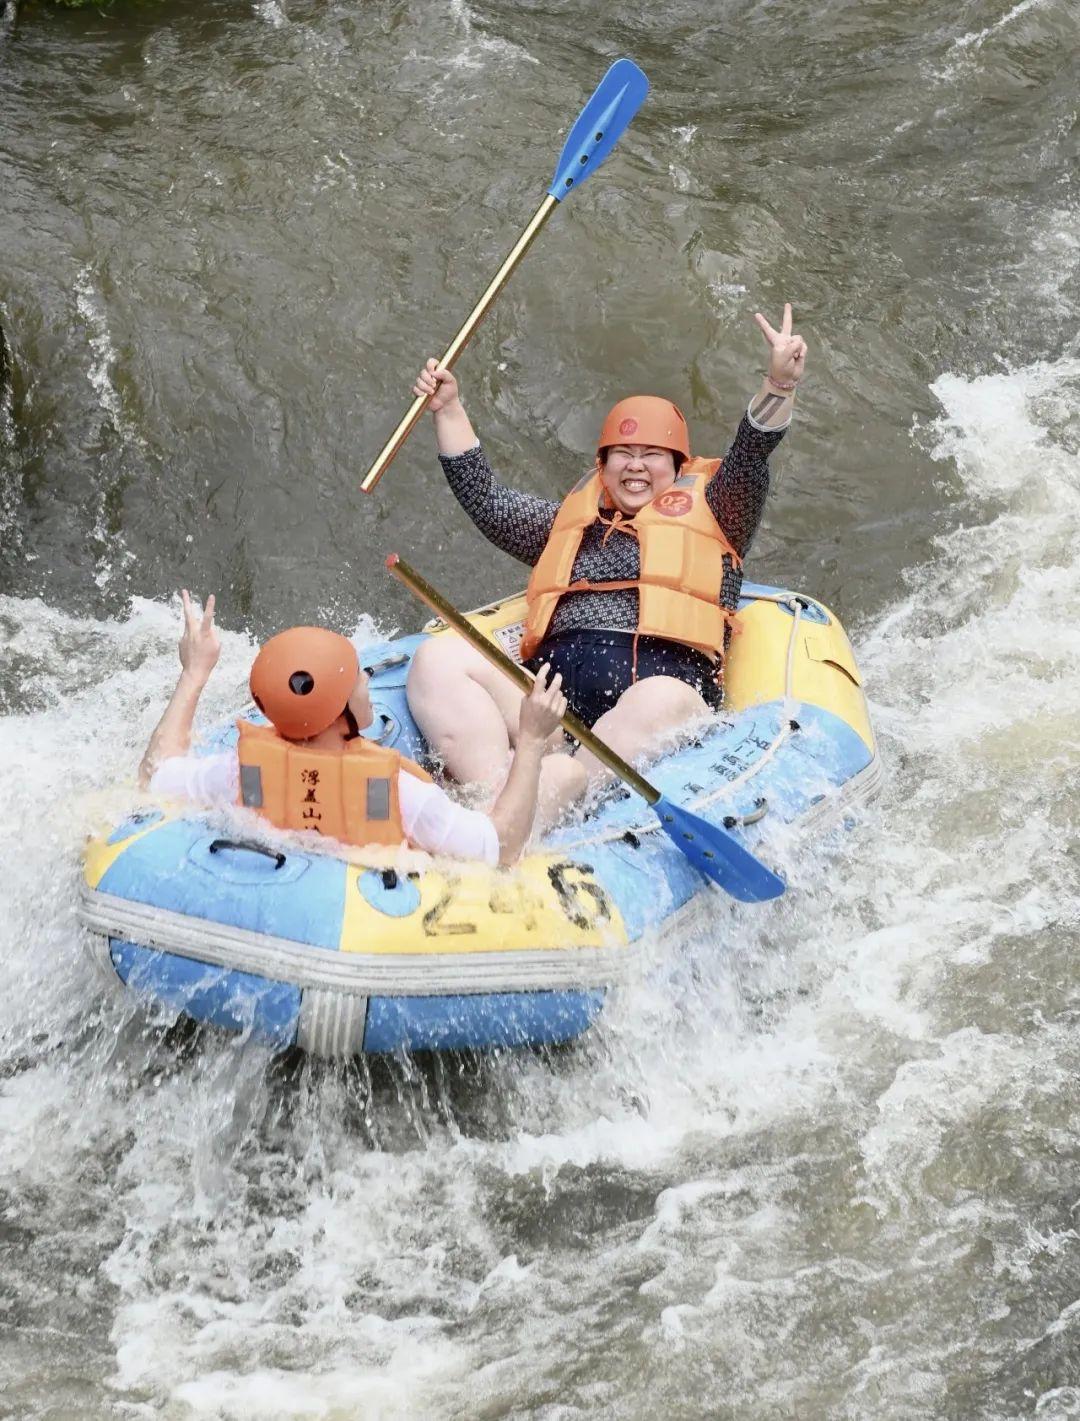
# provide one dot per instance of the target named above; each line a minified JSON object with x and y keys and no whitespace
{"x":234,"y":926}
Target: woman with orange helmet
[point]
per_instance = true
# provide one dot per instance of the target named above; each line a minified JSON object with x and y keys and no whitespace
{"x":312,"y":769}
{"x":635,"y":578}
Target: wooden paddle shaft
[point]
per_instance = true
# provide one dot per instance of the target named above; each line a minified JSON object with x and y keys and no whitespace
{"x":460,"y":341}
{"x":521,"y":678}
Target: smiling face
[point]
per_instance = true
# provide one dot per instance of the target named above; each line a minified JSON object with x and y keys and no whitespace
{"x":634,"y":474}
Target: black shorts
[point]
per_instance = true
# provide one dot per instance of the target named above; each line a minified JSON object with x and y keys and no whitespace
{"x":598,"y":666}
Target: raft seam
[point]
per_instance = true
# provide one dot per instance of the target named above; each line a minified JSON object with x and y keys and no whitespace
{"x":352,"y":974}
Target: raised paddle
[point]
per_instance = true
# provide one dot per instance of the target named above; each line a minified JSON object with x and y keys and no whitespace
{"x":708,"y":847}
{"x":618,"y":96}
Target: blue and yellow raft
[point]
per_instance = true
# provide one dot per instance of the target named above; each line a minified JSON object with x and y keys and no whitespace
{"x":337,"y":956}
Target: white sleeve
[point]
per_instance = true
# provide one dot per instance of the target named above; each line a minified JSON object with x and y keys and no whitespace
{"x":206,"y":779}
{"x":432,"y":821}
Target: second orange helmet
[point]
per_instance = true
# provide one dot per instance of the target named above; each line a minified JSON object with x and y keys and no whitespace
{"x":302,"y":679}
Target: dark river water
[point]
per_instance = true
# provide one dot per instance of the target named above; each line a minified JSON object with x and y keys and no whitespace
{"x":823,"y":1161}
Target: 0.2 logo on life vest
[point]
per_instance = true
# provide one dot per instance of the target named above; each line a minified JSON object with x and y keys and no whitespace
{"x":674,"y":503}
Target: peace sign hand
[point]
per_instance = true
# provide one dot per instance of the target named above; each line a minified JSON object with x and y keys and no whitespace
{"x":199,"y":645}
{"x":787,"y":354}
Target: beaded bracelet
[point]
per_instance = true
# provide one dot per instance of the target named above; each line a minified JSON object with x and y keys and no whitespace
{"x":785,"y":385}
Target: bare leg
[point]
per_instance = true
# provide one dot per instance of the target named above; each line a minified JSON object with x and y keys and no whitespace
{"x":466,"y":710}
{"x":563,"y":781}
{"x":647,"y":718}
{"x":468,"y":713}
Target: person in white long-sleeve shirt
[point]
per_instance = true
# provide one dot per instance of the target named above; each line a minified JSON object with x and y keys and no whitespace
{"x":315,"y":771}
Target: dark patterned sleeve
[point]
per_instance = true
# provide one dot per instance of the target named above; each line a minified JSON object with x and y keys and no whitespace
{"x":738,"y":490}
{"x":518,"y":523}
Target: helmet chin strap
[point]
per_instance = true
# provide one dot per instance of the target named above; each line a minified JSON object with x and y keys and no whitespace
{"x":606,"y":500}
{"x":354,"y":728}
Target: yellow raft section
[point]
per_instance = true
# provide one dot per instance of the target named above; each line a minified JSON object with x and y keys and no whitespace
{"x":543,"y":903}
{"x":548,"y":903}
{"x":823,"y":668}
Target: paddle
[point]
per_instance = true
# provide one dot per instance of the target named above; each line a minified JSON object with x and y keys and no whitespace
{"x":709,"y":848}
{"x":618,"y":96}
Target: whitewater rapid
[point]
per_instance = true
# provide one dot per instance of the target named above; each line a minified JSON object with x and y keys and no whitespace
{"x":821,"y":1149}
{"x":821,"y":1161}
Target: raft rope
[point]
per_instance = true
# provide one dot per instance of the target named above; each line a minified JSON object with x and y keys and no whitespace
{"x":402,"y":659}
{"x":789,"y":725}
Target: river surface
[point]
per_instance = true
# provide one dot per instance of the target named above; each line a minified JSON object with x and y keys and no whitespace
{"x":824,"y":1161}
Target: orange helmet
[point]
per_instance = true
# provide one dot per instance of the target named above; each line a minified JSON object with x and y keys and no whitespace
{"x":646,"y":419}
{"x":302,"y":679}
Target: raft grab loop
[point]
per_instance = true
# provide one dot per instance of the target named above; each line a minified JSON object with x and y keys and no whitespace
{"x":248,"y":846}
{"x":391,"y":893}
{"x":388,"y":663}
{"x":740,"y":821}
{"x":387,"y":730}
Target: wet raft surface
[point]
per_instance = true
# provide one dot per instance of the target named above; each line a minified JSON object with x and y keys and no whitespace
{"x":301,"y":947}
{"x":823,"y":1160}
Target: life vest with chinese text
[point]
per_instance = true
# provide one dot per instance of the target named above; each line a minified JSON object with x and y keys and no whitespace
{"x":350,"y":794}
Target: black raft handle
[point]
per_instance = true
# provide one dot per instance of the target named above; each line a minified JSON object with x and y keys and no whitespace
{"x":251,"y":847}
{"x":737,"y":821}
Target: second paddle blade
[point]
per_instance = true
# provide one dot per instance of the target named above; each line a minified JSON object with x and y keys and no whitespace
{"x":617,"y":98}
{"x":718,"y":855}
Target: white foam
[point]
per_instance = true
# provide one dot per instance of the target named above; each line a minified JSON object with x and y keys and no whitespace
{"x":90,"y":307}
{"x":479,"y":45}
{"x":272,"y":13}
{"x":275,"y":1395}
{"x":976,"y":38}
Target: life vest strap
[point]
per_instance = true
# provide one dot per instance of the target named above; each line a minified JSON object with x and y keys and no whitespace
{"x":631,"y":585}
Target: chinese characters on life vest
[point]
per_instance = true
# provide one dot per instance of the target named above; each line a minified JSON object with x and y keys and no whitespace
{"x":312,"y":812}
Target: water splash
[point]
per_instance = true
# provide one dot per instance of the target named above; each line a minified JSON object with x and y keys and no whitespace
{"x":976,"y":38}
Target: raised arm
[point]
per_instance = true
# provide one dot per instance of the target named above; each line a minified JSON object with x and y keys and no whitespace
{"x":199,"y":652}
{"x":454,"y":433}
{"x":772,"y":406}
{"x":738,"y":491}
{"x":518,"y":523}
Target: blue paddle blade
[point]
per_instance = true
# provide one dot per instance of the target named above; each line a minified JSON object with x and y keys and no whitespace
{"x":619,"y":95}
{"x":716,"y":854}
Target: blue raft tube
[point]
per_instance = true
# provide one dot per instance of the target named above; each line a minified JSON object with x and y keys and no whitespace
{"x":265,"y":934}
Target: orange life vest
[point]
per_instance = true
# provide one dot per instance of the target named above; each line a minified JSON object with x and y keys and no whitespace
{"x":350,"y":794}
{"x":682,"y":562}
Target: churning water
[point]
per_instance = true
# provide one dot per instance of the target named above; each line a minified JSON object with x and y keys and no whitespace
{"x":823,"y":1160}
